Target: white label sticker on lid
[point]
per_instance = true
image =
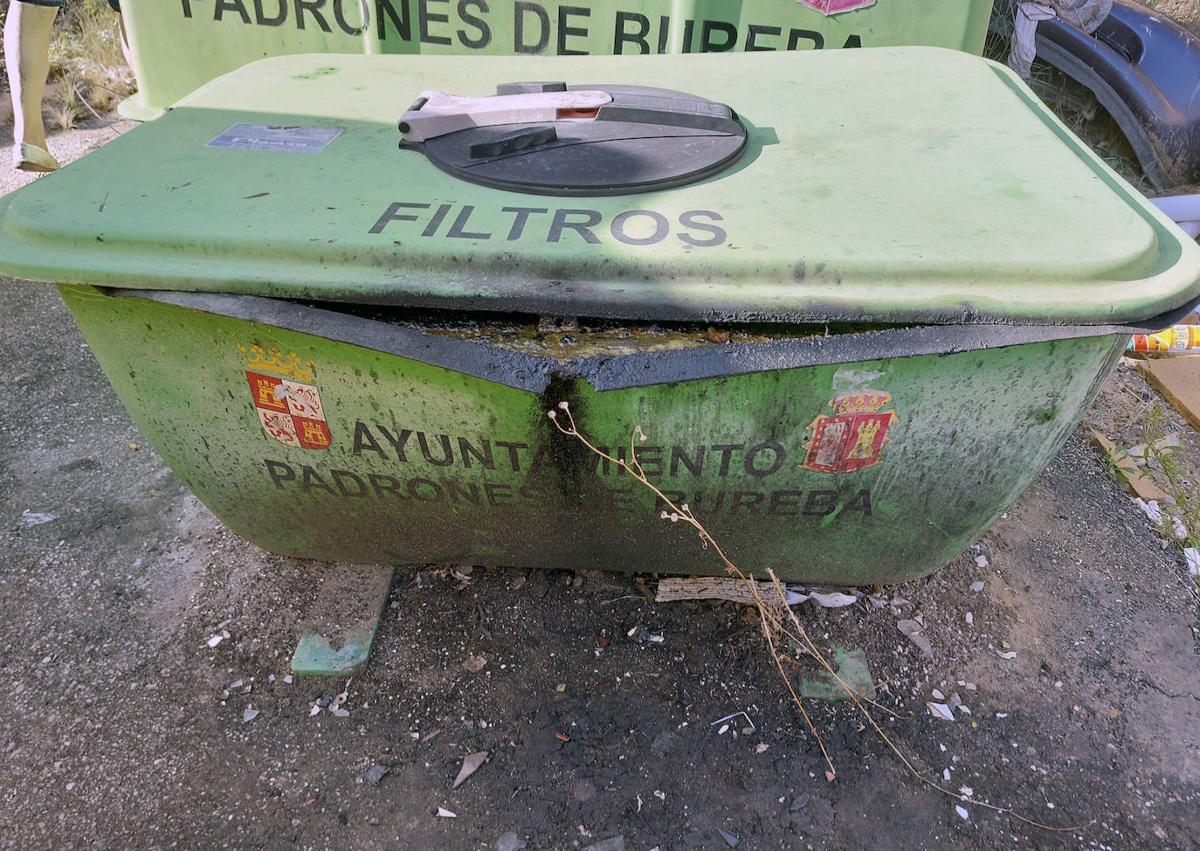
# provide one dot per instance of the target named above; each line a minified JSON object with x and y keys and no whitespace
{"x":291,"y":139}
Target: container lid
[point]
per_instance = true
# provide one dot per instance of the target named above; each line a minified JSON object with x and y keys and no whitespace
{"x":554,"y":139}
{"x":883,"y":185}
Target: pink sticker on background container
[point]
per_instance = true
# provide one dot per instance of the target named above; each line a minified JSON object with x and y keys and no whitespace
{"x":836,"y":7}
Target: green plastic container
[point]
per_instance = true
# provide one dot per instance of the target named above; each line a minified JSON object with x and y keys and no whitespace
{"x":850,"y":346}
{"x":176,"y":46}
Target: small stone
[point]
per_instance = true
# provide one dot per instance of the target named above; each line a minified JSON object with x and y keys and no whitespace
{"x":664,"y":743}
{"x":814,"y":819}
{"x":36,"y":518}
{"x":613,"y":843}
{"x":583,"y":791}
{"x":376,"y":773}
{"x":249,"y":714}
{"x":977,"y":586}
{"x":730,"y":839}
{"x":509,"y":841}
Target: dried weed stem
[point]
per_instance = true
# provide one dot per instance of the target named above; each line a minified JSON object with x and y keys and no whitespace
{"x":776,"y":619}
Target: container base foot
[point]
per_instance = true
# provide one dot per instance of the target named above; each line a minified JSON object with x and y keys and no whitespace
{"x":336,"y":641}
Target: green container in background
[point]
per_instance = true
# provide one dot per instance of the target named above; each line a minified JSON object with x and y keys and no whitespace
{"x":848,"y":349}
{"x":176,"y":46}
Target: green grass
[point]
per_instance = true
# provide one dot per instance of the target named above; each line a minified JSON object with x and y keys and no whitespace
{"x":1169,"y":469}
{"x":1180,"y":482}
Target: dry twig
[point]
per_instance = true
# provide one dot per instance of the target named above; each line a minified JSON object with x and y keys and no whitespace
{"x":776,"y":619}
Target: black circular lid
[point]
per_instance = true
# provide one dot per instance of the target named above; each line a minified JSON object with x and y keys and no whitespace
{"x":643,"y":139}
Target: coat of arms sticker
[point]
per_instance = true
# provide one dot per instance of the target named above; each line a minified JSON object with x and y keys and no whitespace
{"x":852,"y":437}
{"x":288,"y":405}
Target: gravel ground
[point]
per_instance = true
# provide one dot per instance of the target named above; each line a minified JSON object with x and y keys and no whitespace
{"x":127,"y":730}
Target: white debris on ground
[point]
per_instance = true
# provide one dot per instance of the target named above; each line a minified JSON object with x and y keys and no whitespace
{"x":735,"y":590}
{"x":831,"y":600}
{"x":470,"y":764}
{"x":1154,"y":511}
{"x":912,"y":630}
{"x":940,"y":711}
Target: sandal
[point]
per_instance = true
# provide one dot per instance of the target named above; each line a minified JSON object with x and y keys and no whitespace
{"x":28,"y":157}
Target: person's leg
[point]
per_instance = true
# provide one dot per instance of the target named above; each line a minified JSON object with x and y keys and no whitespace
{"x":27,"y":58}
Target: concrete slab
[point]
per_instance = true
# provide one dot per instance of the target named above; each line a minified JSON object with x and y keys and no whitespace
{"x":1178,"y":379}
